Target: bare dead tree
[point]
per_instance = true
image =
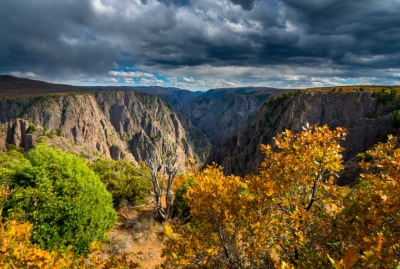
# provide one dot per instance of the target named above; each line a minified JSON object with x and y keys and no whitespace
{"x":162,"y":176}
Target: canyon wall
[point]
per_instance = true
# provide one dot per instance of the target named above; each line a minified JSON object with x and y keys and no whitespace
{"x":367,"y":120}
{"x":116,"y":124}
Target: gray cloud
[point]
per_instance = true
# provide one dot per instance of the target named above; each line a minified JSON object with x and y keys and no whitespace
{"x":245,"y":4}
{"x":176,"y":2}
{"x":53,"y":38}
{"x":88,"y":38}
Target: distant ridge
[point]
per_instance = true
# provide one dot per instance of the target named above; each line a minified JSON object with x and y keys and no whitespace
{"x":8,"y":78}
{"x":175,"y":96}
{"x":13,"y":87}
{"x":156,"y":90}
{"x":220,"y":113}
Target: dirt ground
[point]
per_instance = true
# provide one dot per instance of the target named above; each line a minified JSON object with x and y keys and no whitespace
{"x":137,"y":235}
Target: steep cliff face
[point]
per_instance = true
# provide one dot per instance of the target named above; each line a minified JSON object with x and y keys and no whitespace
{"x":367,"y":121}
{"x":117,"y":124}
{"x":220,"y":113}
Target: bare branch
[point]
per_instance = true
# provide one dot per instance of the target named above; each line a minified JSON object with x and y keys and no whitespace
{"x":312,"y":195}
{"x":143,"y":205}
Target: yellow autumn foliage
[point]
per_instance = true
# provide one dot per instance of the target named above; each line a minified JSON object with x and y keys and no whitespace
{"x":293,"y":215}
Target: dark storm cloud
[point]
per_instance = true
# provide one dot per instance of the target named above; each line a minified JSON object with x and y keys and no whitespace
{"x":51,"y":37}
{"x":245,"y":4}
{"x":175,"y":2}
{"x":90,"y":37}
{"x":373,"y":26}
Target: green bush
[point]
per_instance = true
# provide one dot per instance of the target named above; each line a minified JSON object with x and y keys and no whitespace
{"x":11,"y":156}
{"x":58,"y":132}
{"x":51,"y":134}
{"x":32,"y":128}
{"x":122,"y":180}
{"x":180,"y":205}
{"x":11,"y":147}
{"x":62,"y":197}
{"x":385,"y":96}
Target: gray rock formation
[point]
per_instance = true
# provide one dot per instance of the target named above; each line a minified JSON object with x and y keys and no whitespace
{"x":359,"y":112}
{"x":116,"y":124}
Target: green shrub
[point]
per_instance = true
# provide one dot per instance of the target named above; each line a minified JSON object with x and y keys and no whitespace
{"x":32,"y":128}
{"x":51,"y":134}
{"x":385,"y":96}
{"x":64,"y":200}
{"x":11,"y":147}
{"x":58,"y":132}
{"x":10,"y":157}
{"x":122,"y":180}
{"x":180,"y":205}
{"x":275,"y":101}
{"x":156,"y":138}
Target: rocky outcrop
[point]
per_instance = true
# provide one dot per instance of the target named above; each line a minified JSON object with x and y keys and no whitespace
{"x":116,"y":124}
{"x":16,"y":133}
{"x":367,"y":121}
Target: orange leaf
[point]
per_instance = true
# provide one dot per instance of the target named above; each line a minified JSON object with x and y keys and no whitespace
{"x":379,"y":241}
{"x":350,"y":259}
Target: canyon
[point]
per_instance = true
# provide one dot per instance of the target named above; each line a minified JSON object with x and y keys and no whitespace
{"x":225,"y":126}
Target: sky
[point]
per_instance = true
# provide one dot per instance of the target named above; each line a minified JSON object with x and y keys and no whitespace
{"x":202,"y":44}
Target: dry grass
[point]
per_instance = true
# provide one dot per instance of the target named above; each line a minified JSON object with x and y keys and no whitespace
{"x":139,"y":236}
